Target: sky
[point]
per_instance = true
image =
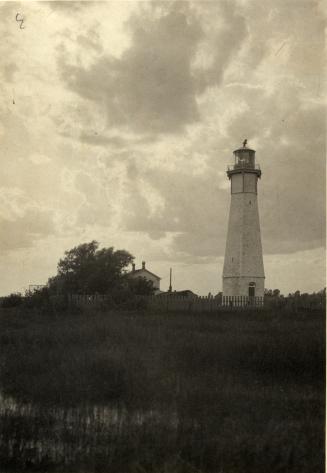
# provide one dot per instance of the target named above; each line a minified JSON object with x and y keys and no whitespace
{"x":118,"y":121}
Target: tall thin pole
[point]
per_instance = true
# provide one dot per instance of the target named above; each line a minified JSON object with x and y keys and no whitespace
{"x":170,"y":288}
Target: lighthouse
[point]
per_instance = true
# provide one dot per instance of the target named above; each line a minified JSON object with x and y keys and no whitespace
{"x":243,"y":273}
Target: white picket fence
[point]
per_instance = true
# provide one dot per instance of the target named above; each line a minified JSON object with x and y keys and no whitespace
{"x":242,"y":301}
{"x":175,"y":303}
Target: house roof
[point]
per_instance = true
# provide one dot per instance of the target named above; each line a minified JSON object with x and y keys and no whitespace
{"x":144,"y":270}
{"x":186,"y":292}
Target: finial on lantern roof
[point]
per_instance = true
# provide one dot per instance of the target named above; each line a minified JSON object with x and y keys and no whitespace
{"x":245,"y":143}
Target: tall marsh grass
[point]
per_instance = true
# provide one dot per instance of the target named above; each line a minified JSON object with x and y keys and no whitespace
{"x":163,"y":393}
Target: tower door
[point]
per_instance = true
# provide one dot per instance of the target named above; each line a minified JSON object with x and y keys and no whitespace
{"x":252,"y":289}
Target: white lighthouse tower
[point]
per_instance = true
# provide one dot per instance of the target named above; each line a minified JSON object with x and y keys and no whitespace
{"x":243,"y":273}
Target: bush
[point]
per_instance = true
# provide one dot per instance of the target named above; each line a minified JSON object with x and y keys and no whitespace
{"x":13,"y":300}
{"x":38,"y":299}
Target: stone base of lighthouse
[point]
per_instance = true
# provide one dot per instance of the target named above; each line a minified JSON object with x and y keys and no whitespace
{"x":240,"y":286}
{"x":236,"y":291}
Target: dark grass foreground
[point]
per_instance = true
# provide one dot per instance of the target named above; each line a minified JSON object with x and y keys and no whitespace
{"x":122,"y":393}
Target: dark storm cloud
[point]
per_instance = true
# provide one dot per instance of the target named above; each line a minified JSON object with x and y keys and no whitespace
{"x":153,"y":86}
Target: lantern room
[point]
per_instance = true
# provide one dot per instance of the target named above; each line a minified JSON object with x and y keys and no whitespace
{"x":244,"y":158}
{"x":244,"y":162}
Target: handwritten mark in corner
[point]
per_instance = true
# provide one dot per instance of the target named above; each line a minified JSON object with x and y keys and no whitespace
{"x":20,"y":19}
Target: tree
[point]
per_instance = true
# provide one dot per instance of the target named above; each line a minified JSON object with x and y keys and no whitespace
{"x":268,"y":292}
{"x":273,"y":293}
{"x":141,"y":286}
{"x":87,"y":270}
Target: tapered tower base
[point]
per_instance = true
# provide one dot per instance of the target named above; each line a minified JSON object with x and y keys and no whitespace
{"x":243,"y":273}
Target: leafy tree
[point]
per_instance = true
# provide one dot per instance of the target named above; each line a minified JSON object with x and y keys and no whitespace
{"x":268,"y":292}
{"x":273,"y":293}
{"x":86,"y":269}
{"x":141,"y":286}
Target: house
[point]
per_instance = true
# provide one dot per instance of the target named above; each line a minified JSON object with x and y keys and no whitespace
{"x":145,"y":273}
{"x":186,"y":294}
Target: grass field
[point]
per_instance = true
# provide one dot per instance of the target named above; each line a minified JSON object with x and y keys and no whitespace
{"x":169,"y":393}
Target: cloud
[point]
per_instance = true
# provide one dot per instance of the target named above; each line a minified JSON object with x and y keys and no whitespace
{"x":91,"y":41}
{"x":182,"y":204}
{"x":150,"y":88}
{"x":25,"y":230}
{"x":225,"y":31}
{"x":101,"y":140}
{"x":115,"y":141}
{"x":153,"y":86}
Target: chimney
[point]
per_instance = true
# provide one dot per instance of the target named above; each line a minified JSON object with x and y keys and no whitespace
{"x":133,"y":267}
{"x":143,"y":264}
{"x":170,"y":286}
